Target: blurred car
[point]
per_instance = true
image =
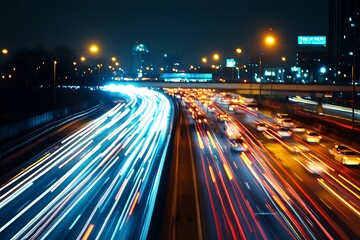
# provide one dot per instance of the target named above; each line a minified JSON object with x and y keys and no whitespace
{"x":312,"y":137}
{"x":232,"y":107}
{"x":238,"y":144}
{"x":201,"y":119}
{"x":298,"y":129}
{"x":211,"y":108}
{"x":281,"y":117}
{"x":222,"y":117}
{"x":252,"y":106}
{"x":261,"y":127}
{"x":314,"y":167}
{"x":347,"y":157}
{"x":287,"y":123}
{"x":337,"y":149}
{"x":283,"y":132}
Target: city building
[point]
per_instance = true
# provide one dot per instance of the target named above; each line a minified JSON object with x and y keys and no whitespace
{"x":344,"y":42}
{"x":311,"y":60}
{"x":141,"y":65}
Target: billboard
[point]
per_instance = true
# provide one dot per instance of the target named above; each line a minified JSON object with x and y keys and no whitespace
{"x":316,"y":41}
{"x":230,"y":62}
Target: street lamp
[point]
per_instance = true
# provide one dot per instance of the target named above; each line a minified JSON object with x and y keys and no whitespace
{"x":238,"y":51}
{"x":353,"y":91}
{"x":216,"y":57}
{"x":54,"y":91}
{"x":94,"y":48}
{"x":99,"y":67}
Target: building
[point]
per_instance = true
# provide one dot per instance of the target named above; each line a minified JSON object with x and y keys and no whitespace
{"x":311,"y":60}
{"x":344,"y":42}
{"x":141,"y":64}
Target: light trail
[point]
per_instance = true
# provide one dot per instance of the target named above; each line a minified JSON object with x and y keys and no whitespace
{"x":100,"y":182}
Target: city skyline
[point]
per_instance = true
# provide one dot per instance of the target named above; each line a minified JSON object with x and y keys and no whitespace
{"x":189,"y":29}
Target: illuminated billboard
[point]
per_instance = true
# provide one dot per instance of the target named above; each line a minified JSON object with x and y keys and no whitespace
{"x":316,"y":41}
{"x":230,"y":62}
{"x":186,"y":77}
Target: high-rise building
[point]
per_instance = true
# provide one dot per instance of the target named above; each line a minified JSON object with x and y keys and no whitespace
{"x":140,"y":60}
{"x":344,"y":42}
{"x":311,"y":60}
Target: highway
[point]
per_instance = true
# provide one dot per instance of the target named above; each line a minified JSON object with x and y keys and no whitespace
{"x":98,"y":183}
{"x":280,"y":187}
{"x":102,"y":181}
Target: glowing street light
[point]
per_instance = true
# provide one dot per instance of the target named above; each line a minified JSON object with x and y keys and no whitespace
{"x":94,"y":49}
{"x":4,"y":51}
{"x":216,"y":56}
{"x":238,"y":50}
{"x":204,"y":60}
{"x":269,"y":40}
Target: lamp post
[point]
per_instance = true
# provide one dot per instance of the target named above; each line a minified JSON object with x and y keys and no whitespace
{"x":54,"y":91}
{"x":99,"y":68}
{"x":260,"y":69}
{"x":238,"y":51}
{"x":216,"y":57}
{"x":353,"y":91}
{"x":269,"y":40}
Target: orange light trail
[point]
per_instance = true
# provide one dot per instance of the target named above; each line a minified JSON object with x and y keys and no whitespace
{"x":134,"y":203}
{"x":88,"y":232}
{"x":321,"y":181}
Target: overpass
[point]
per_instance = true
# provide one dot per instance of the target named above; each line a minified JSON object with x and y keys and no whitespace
{"x":315,"y":90}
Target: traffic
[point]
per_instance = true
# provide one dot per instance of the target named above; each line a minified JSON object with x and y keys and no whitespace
{"x":266,"y":174}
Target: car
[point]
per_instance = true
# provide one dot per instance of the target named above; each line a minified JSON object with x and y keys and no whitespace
{"x":287,"y":123}
{"x":312,"y":137}
{"x":298,"y":129}
{"x":211,"y":108}
{"x":238,"y":144}
{"x":348,"y":157}
{"x":223,"y":117}
{"x":281,"y":117}
{"x":252,"y":106}
{"x":261,"y":127}
{"x":283,"y":132}
{"x":337,"y":149}
{"x":232,"y":107}
{"x":201,"y":119}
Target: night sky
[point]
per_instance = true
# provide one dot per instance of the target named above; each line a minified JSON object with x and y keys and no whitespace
{"x":192,"y":29}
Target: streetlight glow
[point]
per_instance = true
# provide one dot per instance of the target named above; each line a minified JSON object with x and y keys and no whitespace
{"x":204,"y":60}
{"x":4,"y":51}
{"x":216,"y":56}
{"x":270,"y":40}
{"x":239,"y":50}
{"x":94,"y":49}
